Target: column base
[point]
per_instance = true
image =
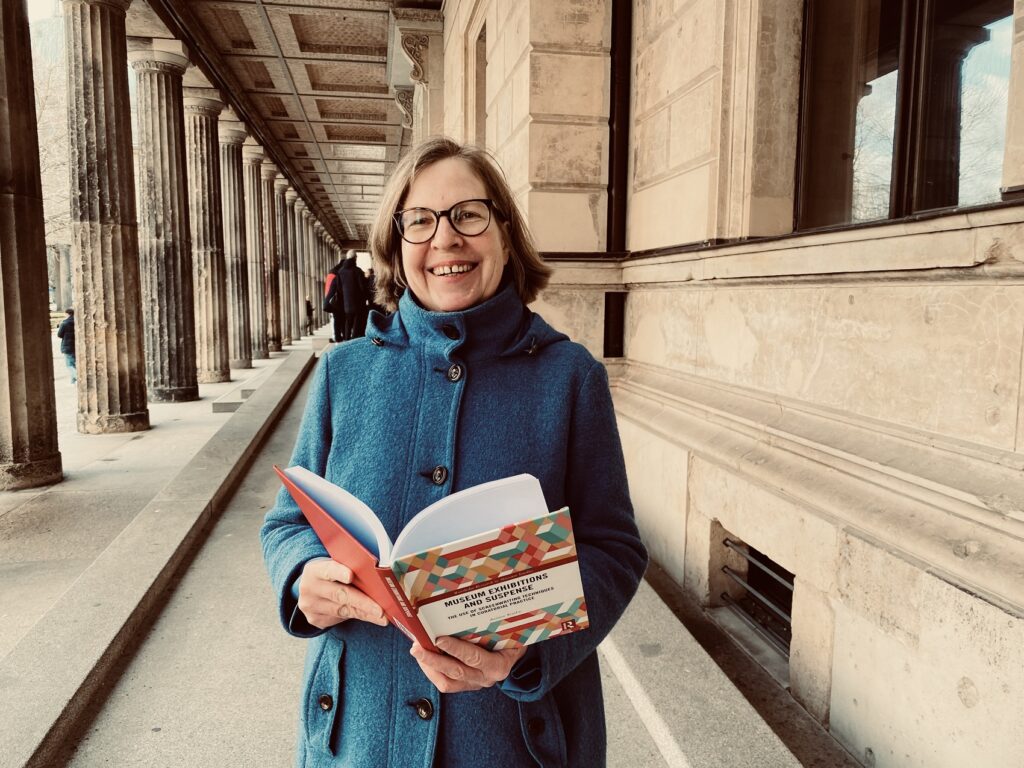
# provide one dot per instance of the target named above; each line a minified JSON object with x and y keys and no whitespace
{"x":31,"y":474}
{"x":213,"y":377}
{"x":173,"y":394}
{"x":113,"y":423}
{"x":242,"y":364}
{"x":261,"y":356}
{"x":274,"y":347}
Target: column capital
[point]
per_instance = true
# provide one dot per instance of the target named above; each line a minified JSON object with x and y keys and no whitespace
{"x":300,"y":206}
{"x":269,"y":171}
{"x":291,"y":197}
{"x":252,"y":152}
{"x":205,"y":101}
{"x":120,"y":5}
{"x":231,"y":133}
{"x":157,"y":54}
{"x":280,"y":184}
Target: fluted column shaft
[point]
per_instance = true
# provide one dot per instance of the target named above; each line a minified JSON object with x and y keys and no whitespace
{"x":28,"y":413}
{"x":165,"y":242}
{"x":104,"y":232}
{"x":233,"y":201}
{"x":284,"y":260}
{"x":291,"y":201}
{"x":270,"y":280}
{"x":209,"y":272}
{"x":307,"y":251}
{"x":252,"y":164}
{"x":300,"y":262}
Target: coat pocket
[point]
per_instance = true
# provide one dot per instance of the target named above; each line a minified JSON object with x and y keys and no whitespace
{"x":543,"y":732}
{"x":324,"y":698}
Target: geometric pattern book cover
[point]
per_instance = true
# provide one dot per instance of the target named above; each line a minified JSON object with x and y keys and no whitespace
{"x":515,"y":585}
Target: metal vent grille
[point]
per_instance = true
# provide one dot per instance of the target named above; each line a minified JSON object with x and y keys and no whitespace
{"x":767,"y":604}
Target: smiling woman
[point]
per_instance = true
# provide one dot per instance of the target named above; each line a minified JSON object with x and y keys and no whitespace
{"x":459,"y":385}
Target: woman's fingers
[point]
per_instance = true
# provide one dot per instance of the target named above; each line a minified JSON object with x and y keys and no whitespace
{"x":464,"y":666}
{"x":326,"y":597}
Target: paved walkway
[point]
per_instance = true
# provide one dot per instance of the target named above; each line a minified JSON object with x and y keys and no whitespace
{"x":139,"y":629}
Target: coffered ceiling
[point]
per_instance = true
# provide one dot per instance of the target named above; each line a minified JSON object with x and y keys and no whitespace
{"x":314,"y":80}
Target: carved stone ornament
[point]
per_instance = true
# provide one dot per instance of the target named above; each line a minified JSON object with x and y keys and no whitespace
{"x":415,"y":47}
{"x":403,"y":97}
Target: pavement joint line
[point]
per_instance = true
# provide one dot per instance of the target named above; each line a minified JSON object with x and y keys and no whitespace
{"x":54,"y":680}
{"x":660,"y":733}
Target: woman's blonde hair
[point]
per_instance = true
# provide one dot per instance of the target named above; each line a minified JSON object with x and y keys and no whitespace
{"x":528,"y":272}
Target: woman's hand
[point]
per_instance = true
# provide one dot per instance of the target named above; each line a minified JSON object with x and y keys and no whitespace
{"x":326,"y":597}
{"x":464,"y":666}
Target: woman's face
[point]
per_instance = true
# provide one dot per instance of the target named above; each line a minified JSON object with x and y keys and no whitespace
{"x":452,"y":272}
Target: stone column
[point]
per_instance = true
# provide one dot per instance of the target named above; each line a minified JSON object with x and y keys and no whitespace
{"x":28,"y":412}
{"x":301,"y":215}
{"x":1013,"y":155}
{"x":270,"y":280}
{"x":318,"y":263}
{"x":291,"y":198}
{"x":284,"y":259}
{"x":104,"y":232}
{"x":209,"y":273}
{"x":165,"y":242}
{"x":252,"y":158}
{"x":233,"y":200}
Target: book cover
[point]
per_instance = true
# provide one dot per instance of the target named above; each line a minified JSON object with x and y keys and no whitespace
{"x":513,"y":580}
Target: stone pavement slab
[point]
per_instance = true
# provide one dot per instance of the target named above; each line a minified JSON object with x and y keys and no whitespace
{"x":66,"y":644}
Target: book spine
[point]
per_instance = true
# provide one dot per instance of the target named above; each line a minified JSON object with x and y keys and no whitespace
{"x":407,"y":619}
{"x":398,"y":594}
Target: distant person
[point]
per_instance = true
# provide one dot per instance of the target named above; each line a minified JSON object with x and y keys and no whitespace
{"x":371,"y":292}
{"x":309,"y":317}
{"x":66,"y":334}
{"x":353,"y":294}
{"x":334,"y":302}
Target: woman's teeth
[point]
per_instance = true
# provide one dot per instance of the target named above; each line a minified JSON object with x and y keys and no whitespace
{"x":451,"y":269}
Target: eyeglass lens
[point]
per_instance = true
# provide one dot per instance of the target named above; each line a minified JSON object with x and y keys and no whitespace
{"x":469,"y":218}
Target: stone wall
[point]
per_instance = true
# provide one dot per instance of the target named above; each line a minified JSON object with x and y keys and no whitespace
{"x":847,"y":402}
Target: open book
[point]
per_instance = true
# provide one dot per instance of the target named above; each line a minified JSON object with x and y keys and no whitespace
{"x":488,"y":564}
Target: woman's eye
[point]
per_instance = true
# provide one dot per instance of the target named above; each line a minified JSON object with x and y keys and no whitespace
{"x":464,"y":215}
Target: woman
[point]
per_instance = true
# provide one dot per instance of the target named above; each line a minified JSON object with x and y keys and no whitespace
{"x":461,"y":385}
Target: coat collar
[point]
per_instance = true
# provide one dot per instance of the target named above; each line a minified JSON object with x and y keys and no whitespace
{"x":498,"y":327}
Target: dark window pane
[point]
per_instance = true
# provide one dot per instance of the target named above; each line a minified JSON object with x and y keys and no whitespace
{"x":851,"y":76}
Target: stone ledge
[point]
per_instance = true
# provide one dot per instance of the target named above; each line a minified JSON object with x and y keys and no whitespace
{"x":50,"y":681}
{"x":868,"y":482}
{"x":693,"y":712}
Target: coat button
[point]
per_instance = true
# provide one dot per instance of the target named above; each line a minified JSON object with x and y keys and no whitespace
{"x":450,"y":331}
{"x":454,"y":372}
{"x":535,"y":725}
{"x":424,"y":709}
{"x":376,"y":342}
{"x":326,"y":702}
{"x":439,"y":475}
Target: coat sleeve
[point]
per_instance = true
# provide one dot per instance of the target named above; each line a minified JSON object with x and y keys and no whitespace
{"x":612,"y":558}
{"x":287,"y":539}
{"x":60,"y":329}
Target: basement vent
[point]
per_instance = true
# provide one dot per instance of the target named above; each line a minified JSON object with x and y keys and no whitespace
{"x":765,"y":599}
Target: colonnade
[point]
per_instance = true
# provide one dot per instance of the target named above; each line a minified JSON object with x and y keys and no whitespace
{"x":209,"y":272}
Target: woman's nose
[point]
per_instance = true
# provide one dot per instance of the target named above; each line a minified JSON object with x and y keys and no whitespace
{"x":445,"y":236}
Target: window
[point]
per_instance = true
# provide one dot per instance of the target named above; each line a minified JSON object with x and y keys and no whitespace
{"x":903,"y":107}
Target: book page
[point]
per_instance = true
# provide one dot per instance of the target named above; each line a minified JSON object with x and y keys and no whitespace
{"x":357,"y":518}
{"x":475,"y":510}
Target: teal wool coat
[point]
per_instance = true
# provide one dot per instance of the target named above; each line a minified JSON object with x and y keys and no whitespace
{"x":384,"y":412}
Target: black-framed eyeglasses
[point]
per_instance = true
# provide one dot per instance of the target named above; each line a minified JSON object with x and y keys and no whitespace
{"x":467,"y":217}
